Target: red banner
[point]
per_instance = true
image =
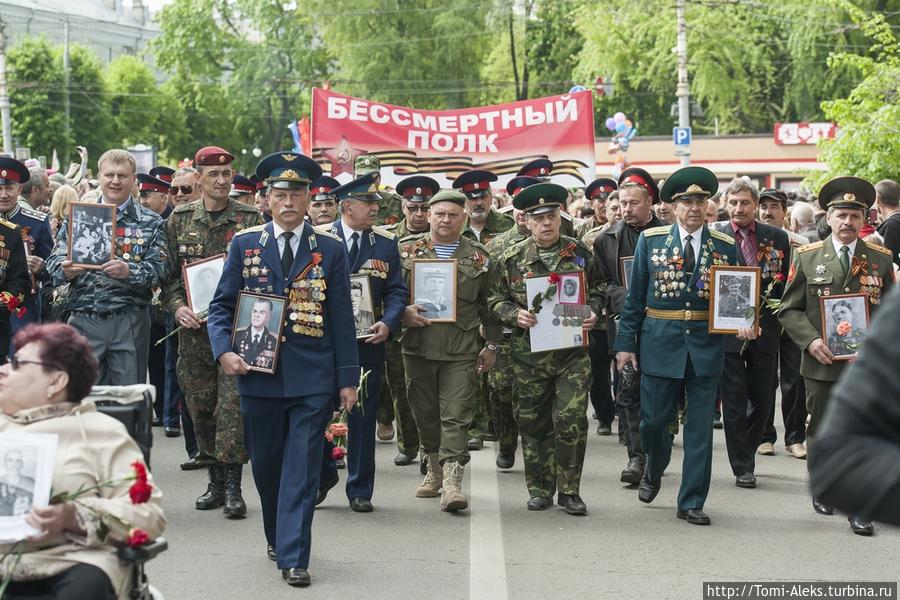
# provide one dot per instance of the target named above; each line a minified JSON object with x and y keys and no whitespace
{"x":445,"y":143}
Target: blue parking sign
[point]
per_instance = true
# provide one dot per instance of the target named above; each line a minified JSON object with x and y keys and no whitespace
{"x":681,"y":136}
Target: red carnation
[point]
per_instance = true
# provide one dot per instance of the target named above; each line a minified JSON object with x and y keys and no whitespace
{"x":337,"y":453}
{"x":554,"y":278}
{"x":140,"y":492}
{"x":137,"y":538}
{"x":779,"y":277}
{"x":140,"y":471}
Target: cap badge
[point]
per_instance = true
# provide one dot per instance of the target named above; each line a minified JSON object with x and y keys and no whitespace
{"x":3,"y":173}
{"x":693,"y":189}
{"x":288,"y":157}
{"x":477,"y":186}
{"x":850,"y":197}
{"x":221,"y":159}
{"x":541,"y":201}
{"x":418,"y":190}
{"x":290,"y":173}
{"x":543,"y":170}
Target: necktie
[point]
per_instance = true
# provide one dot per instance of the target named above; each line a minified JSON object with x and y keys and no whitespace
{"x":689,"y":258}
{"x":845,"y":258}
{"x":256,"y":340}
{"x":287,"y":256}
{"x":747,"y":248}
{"x":354,"y":248}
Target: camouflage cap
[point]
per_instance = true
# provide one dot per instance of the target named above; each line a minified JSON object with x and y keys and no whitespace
{"x":367,"y":163}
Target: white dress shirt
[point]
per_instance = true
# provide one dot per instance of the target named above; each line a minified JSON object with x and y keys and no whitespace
{"x":348,"y":236}
{"x":695,"y":240}
{"x":838,"y":245}
{"x":295,"y":241}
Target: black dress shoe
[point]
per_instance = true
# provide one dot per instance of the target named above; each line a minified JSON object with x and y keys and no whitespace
{"x":717,"y":422}
{"x":539,"y":503}
{"x":324,"y":489}
{"x":157,"y":422}
{"x":340,"y":463}
{"x":861,"y":526}
{"x":296,"y":577}
{"x":633,"y":472}
{"x":745,"y":480}
{"x":647,"y":490}
{"x":270,"y":552}
{"x":402,"y":459}
{"x":694,"y":516}
{"x":506,"y":461}
{"x":822,"y":508}
{"x":475,"y":443}
{"x":172,"y":431}
{"x":192,"y":464}
{"x":604,"y":428}
{"x":572,"y":503}
{"x":360,"y":505}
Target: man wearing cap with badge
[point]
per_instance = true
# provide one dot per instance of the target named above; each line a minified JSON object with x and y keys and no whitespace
{"x":109,"y":305}
{"x":243,"y":190}
{"x":665,"y":314}
{"x":443,"y":360}
{"x":162,"y":173}
{"x":14,"y":279}
{"x":842,"y":263}
{"x":637,"y":194}
{"x":416,"y":191}
{"x":542,"y":170}
{"x":34,"y":227}
{"x":598,"y":193}
{"x":551,"y":387}
{"x":259,"y":200}
{"x":323,"y":204}
{"x":285,"y":412}
{"x":371,"y":251}
{"x":389,"y":207}
{"x":199,"y":230}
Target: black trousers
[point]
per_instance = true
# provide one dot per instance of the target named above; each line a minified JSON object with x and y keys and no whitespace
{"x":81,"y":582}
{"x":628,"y":405}
{"x":793,"y":396}
{"x":601,"y":386}
{"x":747,"y":402}
{"x":156,"y":366}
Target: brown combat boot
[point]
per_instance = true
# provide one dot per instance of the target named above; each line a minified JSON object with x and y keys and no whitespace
{"x":431,"y":485}
{"x":453,"y":498}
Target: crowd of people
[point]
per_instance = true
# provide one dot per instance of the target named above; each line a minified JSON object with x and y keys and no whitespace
{"x":442,"y":358}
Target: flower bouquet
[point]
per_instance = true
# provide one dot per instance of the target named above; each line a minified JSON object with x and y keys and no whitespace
{"x":336,"y":431}
{"x":13,"y":303}
{"x":773,"y":304}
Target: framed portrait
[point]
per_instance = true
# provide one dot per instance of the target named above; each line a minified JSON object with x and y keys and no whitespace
{"x":200,"y":281}
{"x":91,"y":234}
{"x":571,"y":288}
{"x":845,"y":322}
{"x":363,"y":309}
{"x":562,"y":312}
{"x":625,"y":271}
{"x":26,"y":477}
{"x":256,"y":334}
{"x":733,"y":299}
{"x":434,"y":287}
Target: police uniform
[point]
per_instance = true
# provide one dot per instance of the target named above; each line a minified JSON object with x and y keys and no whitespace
{"x":818,"y":271}
{"x":14,"y":280}
{"x":376,"y":257}
{"x":285,"y":412}
{"x":666,"y":312}
{"x":390,"y":205}
{"x":551,"y":388}
{"x":212,"y":398}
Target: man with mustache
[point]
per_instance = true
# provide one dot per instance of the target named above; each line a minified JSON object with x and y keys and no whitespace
{"x":840,"y":264}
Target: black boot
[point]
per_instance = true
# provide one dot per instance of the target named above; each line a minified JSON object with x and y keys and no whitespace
{"x":215,"y":491}
{"x":234,"y":502}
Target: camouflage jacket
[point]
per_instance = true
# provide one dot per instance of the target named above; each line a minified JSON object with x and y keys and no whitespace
{"x":400,"y":230}
{"x":390,"y":208}
{"x":140,"y":241}
{"x":194,"y":236}
{"x":497,"y":223}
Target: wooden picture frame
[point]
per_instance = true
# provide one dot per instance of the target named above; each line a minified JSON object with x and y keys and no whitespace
{"x":261,"y":354}
{"x":199,"y":287}
{"x":625,"y":264}
{"x":363,"y":307}
{"x":91,"y":234}
{"x":844,"y":337}
{"x":433,"y":285}
{"x":737,"y":305}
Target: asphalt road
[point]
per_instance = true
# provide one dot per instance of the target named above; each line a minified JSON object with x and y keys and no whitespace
{"x":409,"y":549}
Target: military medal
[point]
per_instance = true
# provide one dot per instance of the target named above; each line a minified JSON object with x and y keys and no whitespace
{"x":820,"y":269}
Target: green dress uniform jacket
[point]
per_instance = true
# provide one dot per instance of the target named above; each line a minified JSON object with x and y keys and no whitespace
{"x":497,"y":223}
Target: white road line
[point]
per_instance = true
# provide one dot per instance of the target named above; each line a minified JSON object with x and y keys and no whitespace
{"x":487,"y":560}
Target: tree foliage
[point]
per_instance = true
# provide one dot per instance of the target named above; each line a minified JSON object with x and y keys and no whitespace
{"x":90,"y":124}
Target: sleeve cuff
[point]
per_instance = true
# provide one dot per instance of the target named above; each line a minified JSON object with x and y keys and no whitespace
{"x":347,"y":377}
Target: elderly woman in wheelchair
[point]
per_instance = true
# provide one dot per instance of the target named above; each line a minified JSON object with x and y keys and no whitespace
{"x":74,"y":556}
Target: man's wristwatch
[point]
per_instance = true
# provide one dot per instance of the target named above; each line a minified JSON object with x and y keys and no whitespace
{"x":492,"y":347}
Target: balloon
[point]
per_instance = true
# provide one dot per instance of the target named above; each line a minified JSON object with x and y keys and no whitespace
{"x":610,"y":123}
{"x":619,"y":117}
{"x":620,"y":127}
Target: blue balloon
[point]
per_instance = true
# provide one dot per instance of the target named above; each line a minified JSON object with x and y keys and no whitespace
{"x":620,"y":127}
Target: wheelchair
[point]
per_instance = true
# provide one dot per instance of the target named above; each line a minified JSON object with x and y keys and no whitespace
{"x":132,"y":405}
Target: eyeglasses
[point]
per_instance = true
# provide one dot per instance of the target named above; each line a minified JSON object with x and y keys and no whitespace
{"x":182,"y":189}
{"x":15,"y":362}
{"x":417,"y":208}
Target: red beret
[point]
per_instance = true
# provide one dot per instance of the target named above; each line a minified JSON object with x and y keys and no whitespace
{"x":212,"y":156}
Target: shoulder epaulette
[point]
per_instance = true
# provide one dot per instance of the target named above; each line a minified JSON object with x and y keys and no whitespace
{"x":565,"y":215}
{"x":384,"y":232}
{"x":721,"y":236}
{"x":189,"y":207}
{"x":390,"y":226}
{"x":662,"y":230}
{"x":241,"y":207}
{"x":34,"y":214}
{"x":327,"y":233}
{"x":812,"y":246}
{"x":9,"y":224}
{"x":412,"y":237}
{"x":324,"y":228}
{"x":249,"y":229}
{"x":878,"y":248}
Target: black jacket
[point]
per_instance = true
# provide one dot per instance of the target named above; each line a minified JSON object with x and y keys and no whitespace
{"x":890,"y":231}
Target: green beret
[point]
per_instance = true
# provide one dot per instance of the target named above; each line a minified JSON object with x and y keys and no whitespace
{"x":448,"y":196}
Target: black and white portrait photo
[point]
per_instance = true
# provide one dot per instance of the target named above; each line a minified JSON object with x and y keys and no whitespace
{"x":200,"y":281}
{"x":570,"y":289}
{"x":257,"y":330}
{"x":734,"y":298}
{"x":845,"y":319}
{"x":361,"y":300}
{"x":434,"y":289}
{"x":26,"y":470}
{"x":91,"y":234}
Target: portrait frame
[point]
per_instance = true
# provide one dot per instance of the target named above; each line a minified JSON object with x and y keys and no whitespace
{"x":86,"y":219}
{"x":859,"y":307}
{"x":725,"y":316}
{"x":427,"y":269}
{"x":366,"y":316}
{"x":241,"y":331}
{"x":37,"y":454}
{"x":563,"y":293}
{"x":625,"y":264}
{"x":559,"y":324}
{"x":199,"y":296}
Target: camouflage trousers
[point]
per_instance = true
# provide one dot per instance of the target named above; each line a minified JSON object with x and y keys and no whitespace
{"x":394,"y":404}
{"x":552,"y":393}
{"x":481,"y":426}
{"x":212,"y":399}
{"x":500,"y":388}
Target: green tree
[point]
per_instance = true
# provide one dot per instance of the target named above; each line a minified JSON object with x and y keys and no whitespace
{"x":90,"y":120}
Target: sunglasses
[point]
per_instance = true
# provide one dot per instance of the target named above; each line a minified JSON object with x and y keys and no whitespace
{"x":15,"y":362}
{"x":417,"y":208}
{"x":182,"y":189}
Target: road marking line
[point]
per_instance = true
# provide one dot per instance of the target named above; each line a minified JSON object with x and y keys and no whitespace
{"x":487,"y":560}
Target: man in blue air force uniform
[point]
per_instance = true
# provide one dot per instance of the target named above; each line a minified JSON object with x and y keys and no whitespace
{"x":285,"y":413}
{"x":371,"y":251}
